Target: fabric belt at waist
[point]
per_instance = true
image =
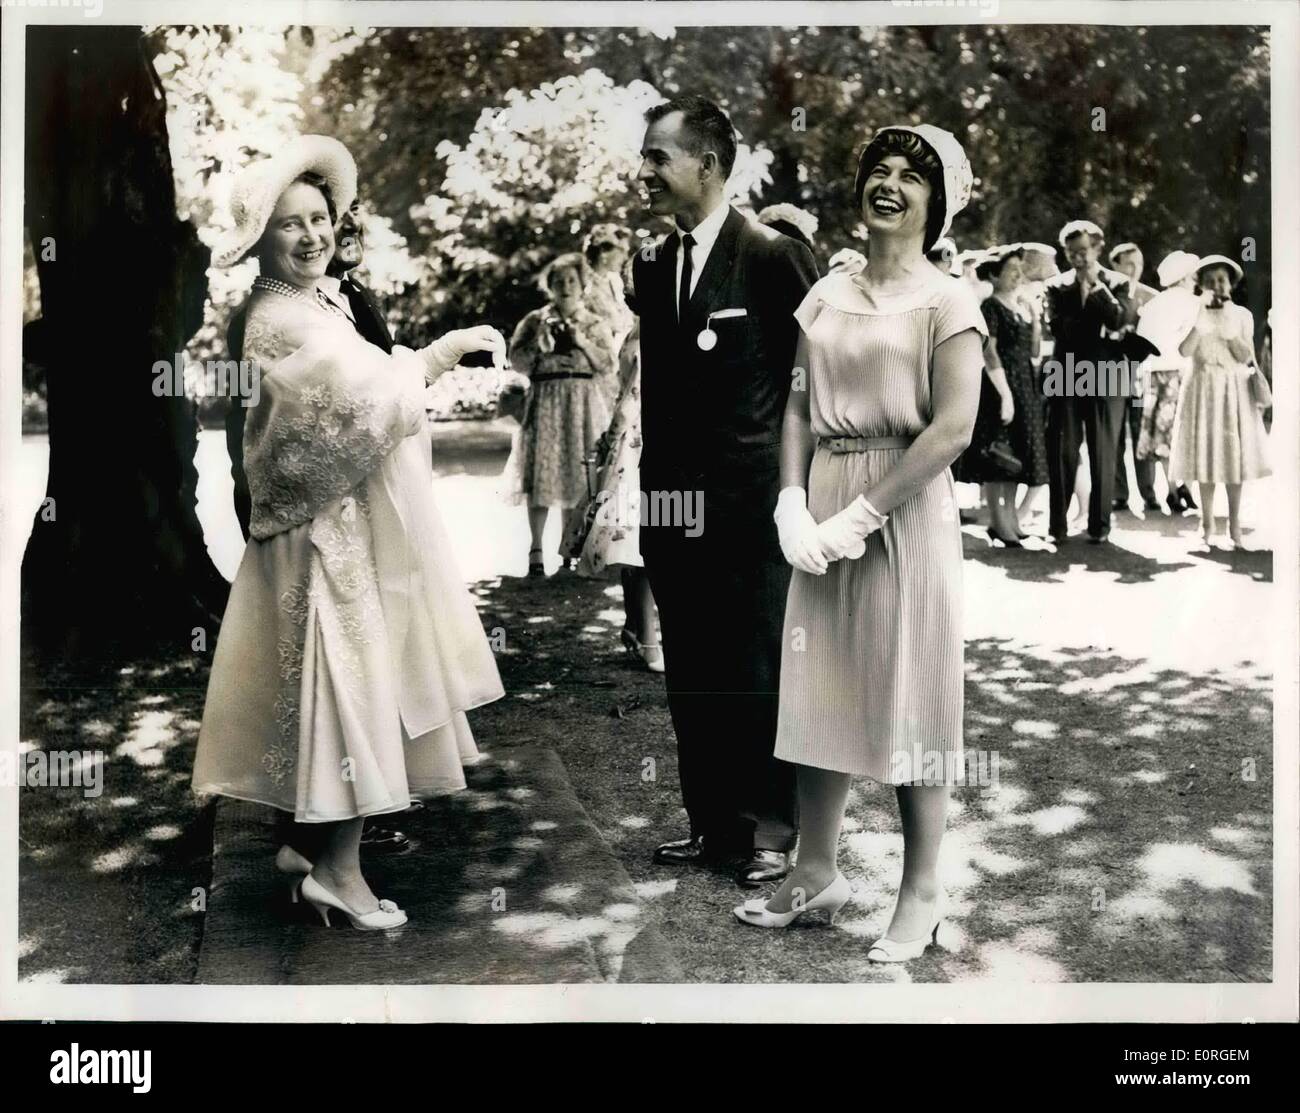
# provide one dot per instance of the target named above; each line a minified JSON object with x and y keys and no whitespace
{"x":840,"y":445}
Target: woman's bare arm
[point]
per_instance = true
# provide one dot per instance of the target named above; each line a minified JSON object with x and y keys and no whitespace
{"x":955,"y":393}
{"x":797,"y":441}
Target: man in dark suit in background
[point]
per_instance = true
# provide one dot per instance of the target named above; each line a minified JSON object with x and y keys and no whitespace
{"x":344,"y":291}
{"x":1087,"y":307}
{"x":716,"y":299}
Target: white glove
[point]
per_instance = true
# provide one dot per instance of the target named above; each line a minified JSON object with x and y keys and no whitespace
{"x":445,"y":352}
{"x":845,"y":534}
{"x":797,"y":531}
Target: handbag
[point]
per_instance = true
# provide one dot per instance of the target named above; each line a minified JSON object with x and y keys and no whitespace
{"x":1260,"y":392}
{"x":999,"y":453}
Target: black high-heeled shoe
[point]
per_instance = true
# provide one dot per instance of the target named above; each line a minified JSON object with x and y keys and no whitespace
{"x":1185,"y":496}
{"x":1009,"y":542}
{"x":536,"y":565}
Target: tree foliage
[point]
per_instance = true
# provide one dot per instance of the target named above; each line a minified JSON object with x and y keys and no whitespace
{"x":484,"y":150}
{"x":1180,"y":158}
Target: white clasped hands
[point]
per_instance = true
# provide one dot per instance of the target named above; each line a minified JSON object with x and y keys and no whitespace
{"x":845,"y":534}
{"x":797,"y":531}
{"x":811,"y":547}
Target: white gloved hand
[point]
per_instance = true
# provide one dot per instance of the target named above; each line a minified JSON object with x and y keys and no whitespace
{"x":448,"y":350}
{"x":797,"y":531}
{"x":845,"y":534}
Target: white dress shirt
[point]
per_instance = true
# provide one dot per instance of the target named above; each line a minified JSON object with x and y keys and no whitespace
{"x":328,"y":285}
{"x":706,"y":235}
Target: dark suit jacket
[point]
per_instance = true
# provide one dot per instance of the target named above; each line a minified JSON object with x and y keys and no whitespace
{"x":711,"y":420}
{"x":1082,"y":327}
{"x":370,"y":321}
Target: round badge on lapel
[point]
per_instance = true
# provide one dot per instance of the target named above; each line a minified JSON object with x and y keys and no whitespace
{"x":707,"y":340}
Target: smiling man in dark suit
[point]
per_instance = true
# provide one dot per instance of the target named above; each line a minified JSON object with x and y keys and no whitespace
{"x":716,"y":299}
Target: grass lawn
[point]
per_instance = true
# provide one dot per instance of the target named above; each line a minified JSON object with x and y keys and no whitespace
{"x":1125,"y":839}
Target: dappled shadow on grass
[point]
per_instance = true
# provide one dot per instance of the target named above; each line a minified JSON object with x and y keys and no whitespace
{"x":106,"y":883}
{"x":504,"y":883}
{"x":1128,"y":837}
{"x":1255,"y":563}
{"x":1039,"y":565}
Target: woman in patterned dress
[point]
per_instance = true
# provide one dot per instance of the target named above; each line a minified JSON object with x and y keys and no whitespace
{"x":567,"y":349}
{"x":1166,"y":320}
{"x":872,"y":664}
{"x":1219,"y":432}
{"x":1009,"y":398}
{"x":605,"y":530}
{"x":350,"y":649}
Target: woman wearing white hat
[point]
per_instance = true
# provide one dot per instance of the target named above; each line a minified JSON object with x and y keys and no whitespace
{"x":872,"y":664}
{"x":1218,"y":434}
{"x":350,"y":649}
{"x":1166,"y":320}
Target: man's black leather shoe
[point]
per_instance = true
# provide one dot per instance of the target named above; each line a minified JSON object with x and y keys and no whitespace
{"x":763,"y":866}
{"x":682,"y":852}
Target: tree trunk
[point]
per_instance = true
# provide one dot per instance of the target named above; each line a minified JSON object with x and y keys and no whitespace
{"x":116,"y":563}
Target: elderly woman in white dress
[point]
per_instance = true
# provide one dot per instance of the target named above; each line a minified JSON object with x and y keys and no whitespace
{"x":350,"y":649}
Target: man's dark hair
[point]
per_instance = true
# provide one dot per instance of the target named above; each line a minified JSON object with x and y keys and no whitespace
{"x":705,"y":128}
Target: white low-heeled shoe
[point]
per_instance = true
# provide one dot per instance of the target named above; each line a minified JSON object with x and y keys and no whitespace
{"x":885,"y":949}
{"x":289,"y":862}
{"x":386,"y":916}
{"x":830,"y":900}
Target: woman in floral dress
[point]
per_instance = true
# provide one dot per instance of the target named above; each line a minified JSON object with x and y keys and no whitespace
{"x":567,"y":349}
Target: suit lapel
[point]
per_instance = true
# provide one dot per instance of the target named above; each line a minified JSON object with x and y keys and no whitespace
{"x":717,"y":266}
{"x":662,"y":275}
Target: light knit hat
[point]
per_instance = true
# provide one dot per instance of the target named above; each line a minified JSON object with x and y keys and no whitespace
{"x":957,"y":175}
{"x":1176,"y":266}
{"x":258,"y":187}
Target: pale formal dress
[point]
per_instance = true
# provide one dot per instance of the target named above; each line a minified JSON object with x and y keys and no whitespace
{"x":1218,"y":434}
{"x":872,"y":656}
{"x":350,"y":648}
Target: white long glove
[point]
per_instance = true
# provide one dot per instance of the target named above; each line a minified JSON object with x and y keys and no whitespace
{"x":797,"y":531}
{"x":845,"y":534}
{"x":448,"y":350}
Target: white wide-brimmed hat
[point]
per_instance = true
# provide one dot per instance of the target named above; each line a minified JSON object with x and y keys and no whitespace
{"x":1222,"y":261}
{"x":1176,"y":266}
{"x":1080,"y":228}
{"x":259,"y":185}
{"x":957,"y":175}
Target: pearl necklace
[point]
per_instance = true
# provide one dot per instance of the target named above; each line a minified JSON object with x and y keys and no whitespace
{"x":284,"y":289}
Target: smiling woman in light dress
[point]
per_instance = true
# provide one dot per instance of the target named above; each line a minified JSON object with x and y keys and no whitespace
{"x":350,"y":648}
{"x":872,"y":657}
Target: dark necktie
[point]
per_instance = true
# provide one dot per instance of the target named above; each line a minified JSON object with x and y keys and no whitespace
{"x":684,"y":291}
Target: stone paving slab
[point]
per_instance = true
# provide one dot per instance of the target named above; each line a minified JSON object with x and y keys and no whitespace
{"x":507,"y":883}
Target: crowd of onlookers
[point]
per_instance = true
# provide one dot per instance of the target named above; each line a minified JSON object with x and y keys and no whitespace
{"x":1048,"y":458}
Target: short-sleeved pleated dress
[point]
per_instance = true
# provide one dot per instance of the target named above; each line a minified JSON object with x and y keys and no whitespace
{"x":872,"y":657}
